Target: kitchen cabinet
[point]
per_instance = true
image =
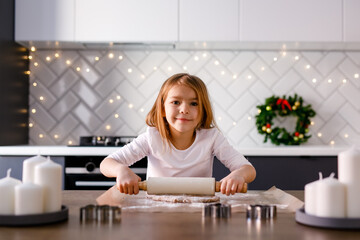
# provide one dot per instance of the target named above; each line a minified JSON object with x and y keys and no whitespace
{"x":43,"y":20}
{"x":284,"y":172}
{"x":351,"y":21}
{"x":208,"y":20}
{"x":289,"y":21}
{"x":126,"y":20}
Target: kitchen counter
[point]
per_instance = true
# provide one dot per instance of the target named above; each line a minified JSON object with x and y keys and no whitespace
{"x":104,"y":151}
{"x":173,"y":226}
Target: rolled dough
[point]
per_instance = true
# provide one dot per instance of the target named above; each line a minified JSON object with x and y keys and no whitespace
{"x":184,"y":198}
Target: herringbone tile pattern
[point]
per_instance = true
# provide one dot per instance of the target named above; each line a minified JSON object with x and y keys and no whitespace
{"x":76,"y":93}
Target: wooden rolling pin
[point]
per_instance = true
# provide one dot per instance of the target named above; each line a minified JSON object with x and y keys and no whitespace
{"x":182,"y":185}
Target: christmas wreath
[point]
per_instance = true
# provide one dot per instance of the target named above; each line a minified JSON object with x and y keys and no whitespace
{"x":291,"y":106}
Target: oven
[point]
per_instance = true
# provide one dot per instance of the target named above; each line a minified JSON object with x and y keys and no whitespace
{"x":83,"y":172}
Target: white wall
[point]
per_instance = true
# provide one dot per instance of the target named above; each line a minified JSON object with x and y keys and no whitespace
{"x":112,"y":95}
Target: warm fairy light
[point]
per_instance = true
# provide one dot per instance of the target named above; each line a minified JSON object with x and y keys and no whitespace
{"x":219,"y":118}
{"x":33,"y":49}
{"x":262,"y":69}
{"x":249,"y":76}
{"x":111,"y":101}
{"x":87,"y":70}
{"x":120,"y":57}
{"x":330,"y":80}
{"x":344,"y":81}
{"x":33,"y":110}
{"x":332,"y":142}
{"x":111,"y":55}
{"x":130,"y":105}
{"x":30,"y":57}
{"x":41,"y":135}
{"x":97,"y":58}
{"x":204,"y":55}
{"x":185,"y":68}
{"x":249,"y":118}
{"x":142,"y":110}
{"x":34,"y":84}
{"x":116,"y":115}
{"x":118,"y":97}
{"x":142,"y":76}
{"x":31,"y":124}
{"x":41,"y":98}
{"x":275,"y":59}
{"x":312,"y":123}
{"x":296,"y":58}
{"x":307,"y":66}
{"x":319,"y":134}
{"x":27,"y":72}
{"x":56,"y":136}
{"x":169,"y":68}
{"x":259,"y":111}
{"x":78,"y":69}
{"x":314,"y":80}
{"x":222,"y":72}
{"x":216,"y":62}
{"x":68,"y":62}
{"x":129,"y":70}
{"x":204,"y":44}
{"x":48,"y":58}
{"x":234,"y":76}
{"x":70,"y":142}
{"x":36,"y":64}
{"x":108,"y":127}
{"x":57,"y":55}
{"x":196,"y":58}
{"x":234,"y":123}
{"x":155,"y":68}
{"x":356,"y":75}
{"x":346,"y":135}
{"x":283,"y":54}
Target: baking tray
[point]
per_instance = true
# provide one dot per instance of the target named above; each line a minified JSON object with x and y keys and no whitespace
{"x":35,"y":219}
{"x":338,"y":223}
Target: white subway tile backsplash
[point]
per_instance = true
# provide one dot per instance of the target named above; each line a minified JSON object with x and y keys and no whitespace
{"x":113,"y":91}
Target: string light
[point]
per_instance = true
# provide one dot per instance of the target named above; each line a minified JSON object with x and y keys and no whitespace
{"x":234,"y":123}
{"x":30,"y":57}
{"x":314,"y":80}
{"x":97,"y":58}
{"x":56,"y":136}
{"x":330,"y":80}
{"x":185,"y":68}
{"x":169,"y":68}
{"x":41,"y":98}
{"x":118,"y":97}
{"x":111,"y":55}
{"x":129,"y":70}
{"x":155,"y":68}
{"x":33,"y":110}
{"x":78,"y":69}
{"x":68,"y":62}
{"x":130,"y":105}
{"x":222,"y":73}
{"x":88,"y":70}
{"x":216,"y":62}
{"x":204,"y":55}
{"x":142,"y":110}
{"x":33,"y":49}
{"x":57,"y":55}
{"x":70,"y":142}
{"x":48,"y":58}
{"x":332,"y":142}
{"x":219,"y":118}
{"x":275,"y":59}
{"x":34,"y":84}
{"x":296,"y":58}
{"x":31,"y":125}
{"x":234,"y":76}
{"x":120,"y":57}
{"x":41,"y":135}
{"x":344,"y":81}
{"x":262,"y":69}
{"x":196,"y":58}
{"x":108,"y":127}
{"x":36,"y":64}
{"x":346,"y":135}
{"x":319,"y":134}
{"x":27,"y":72}
{"x":249,"y":76}
{"x":111,"y":101}
{"x":116,"y":115}
{"x":356,"y":75}
{"x":307,"y":66}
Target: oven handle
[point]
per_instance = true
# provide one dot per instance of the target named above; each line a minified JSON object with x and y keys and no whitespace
{"x":94,"y":183}
{"x":81,"y":170}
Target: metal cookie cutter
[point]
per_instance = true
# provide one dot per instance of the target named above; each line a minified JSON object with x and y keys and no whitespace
{"x":260,"y":212}
{"x":100,"y":213}
{"x":217,"y":210}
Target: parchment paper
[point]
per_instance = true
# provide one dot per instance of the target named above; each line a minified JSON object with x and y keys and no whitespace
{"x":140,"y":203}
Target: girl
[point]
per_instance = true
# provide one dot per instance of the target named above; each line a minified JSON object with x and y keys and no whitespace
{"x":181,"y":141}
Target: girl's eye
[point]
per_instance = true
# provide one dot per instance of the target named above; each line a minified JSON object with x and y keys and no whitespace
{"x":176,"y":102}
{"x":194,"y":104}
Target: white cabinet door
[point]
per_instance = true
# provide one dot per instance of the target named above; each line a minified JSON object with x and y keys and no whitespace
{"x":351,"y":21}
{"x":44,"y":20}
{"x":208,"y":20}
{"x":291,"y":20}
{"x":126,"y":20}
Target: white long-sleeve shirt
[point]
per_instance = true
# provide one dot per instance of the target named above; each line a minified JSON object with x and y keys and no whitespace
{"x":195,"y":161}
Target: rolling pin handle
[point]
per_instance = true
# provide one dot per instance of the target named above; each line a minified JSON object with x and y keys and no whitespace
{"x":218,"y":184}
{"x":143,"y":185}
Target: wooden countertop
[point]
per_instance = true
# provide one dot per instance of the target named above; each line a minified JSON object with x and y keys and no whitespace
{"x":171,"y":226}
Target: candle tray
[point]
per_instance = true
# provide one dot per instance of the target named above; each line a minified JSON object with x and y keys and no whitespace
{"x":323,"y":222}
{"x":35,"y":219}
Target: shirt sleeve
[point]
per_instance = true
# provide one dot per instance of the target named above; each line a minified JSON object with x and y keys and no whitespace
{"x":133,"y":151}
{"x":227,"y":155}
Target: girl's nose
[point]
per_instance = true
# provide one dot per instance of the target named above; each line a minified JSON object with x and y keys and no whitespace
{"x":184,"y":109}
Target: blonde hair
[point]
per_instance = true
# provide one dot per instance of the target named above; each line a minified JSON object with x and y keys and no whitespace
{"x":156,"y":116}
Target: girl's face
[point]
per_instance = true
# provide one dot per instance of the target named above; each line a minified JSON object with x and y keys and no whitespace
{"x":182,"y":109}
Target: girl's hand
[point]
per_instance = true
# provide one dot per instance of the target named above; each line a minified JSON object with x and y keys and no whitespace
{"x":232,"y":183}
{"x":127,"y":181}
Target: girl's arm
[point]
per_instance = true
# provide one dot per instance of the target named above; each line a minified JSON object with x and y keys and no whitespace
{"x":234,"y":182}
{"x":126,"y":179}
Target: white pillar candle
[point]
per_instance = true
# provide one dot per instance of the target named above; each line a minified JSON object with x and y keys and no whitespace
{"x":331,"y":198}
{"x":311,"y":196}
{"x":349,"y":174}
{"x":29,"y":168}
{"x":49,"y":175}
{"x":7,"y":185}
{"x":29,"y":199}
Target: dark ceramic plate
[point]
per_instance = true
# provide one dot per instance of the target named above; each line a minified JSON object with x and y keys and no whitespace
{"x":338,"y":223}
{"x":35,"y":219}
